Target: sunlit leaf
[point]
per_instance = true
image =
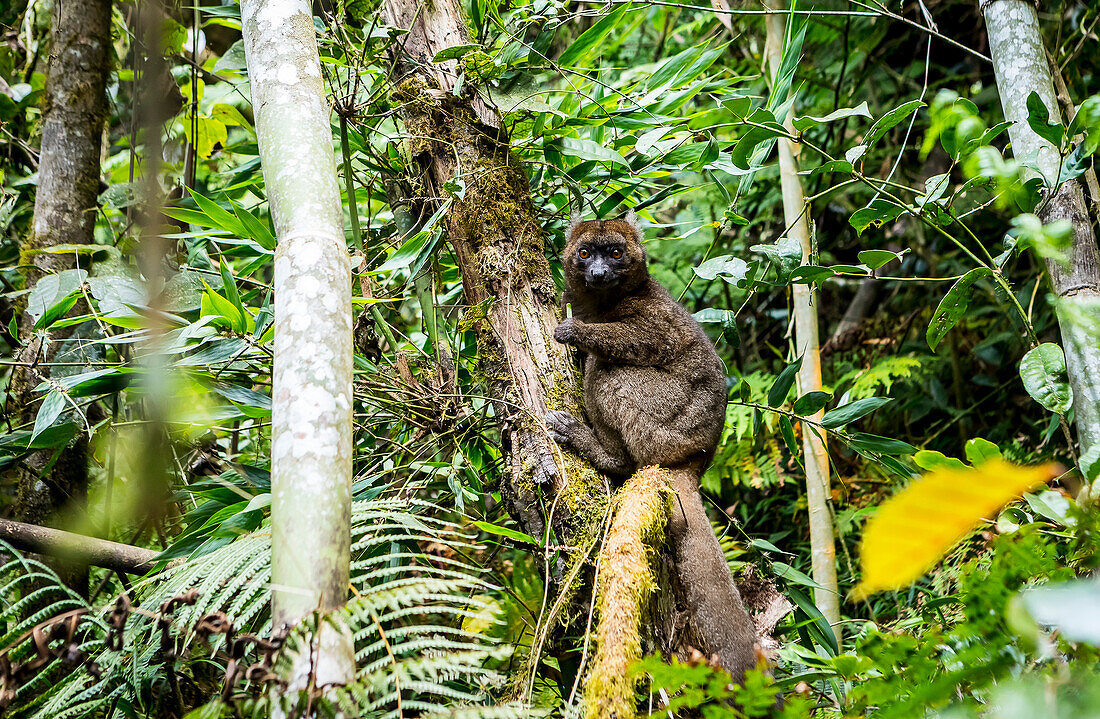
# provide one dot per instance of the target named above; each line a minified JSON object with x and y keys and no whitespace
{"x":1043,"y":371}
{"x":915,"y":528}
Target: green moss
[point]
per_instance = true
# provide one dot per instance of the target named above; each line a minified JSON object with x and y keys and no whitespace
{"x":627,"y":582}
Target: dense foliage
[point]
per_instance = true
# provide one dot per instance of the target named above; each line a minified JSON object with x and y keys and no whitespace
{"x":939,"y":347}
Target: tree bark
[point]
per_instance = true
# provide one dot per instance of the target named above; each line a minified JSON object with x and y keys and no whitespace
{"x":816,"y":454}
{"x":77,"y":548}
{"x":311,"y":444}
{"x":499,"y":247}
{"x":64,"y":213}
{"x":1020,"y":64}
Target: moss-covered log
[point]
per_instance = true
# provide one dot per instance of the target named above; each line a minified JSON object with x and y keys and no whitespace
{"x":627,"y":580}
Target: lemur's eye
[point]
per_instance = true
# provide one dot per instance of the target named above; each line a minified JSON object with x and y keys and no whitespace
{"x":616,"y":253}
{"x":583,"y":253}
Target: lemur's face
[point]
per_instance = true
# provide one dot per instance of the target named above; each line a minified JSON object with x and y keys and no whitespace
{"x":604,"y":255}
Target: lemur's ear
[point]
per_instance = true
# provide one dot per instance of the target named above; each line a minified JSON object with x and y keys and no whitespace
{"x":574,"y":220}
{"x":631,"y":218}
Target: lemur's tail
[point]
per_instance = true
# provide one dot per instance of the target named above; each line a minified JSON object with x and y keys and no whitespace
{"x":717,"y":621}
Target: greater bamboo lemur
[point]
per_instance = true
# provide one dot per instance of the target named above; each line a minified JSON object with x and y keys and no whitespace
{"x":655,"y":394}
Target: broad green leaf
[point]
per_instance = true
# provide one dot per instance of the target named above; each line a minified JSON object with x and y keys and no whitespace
{"x":808,"y":121}
{"x":454,"y":51}
{"x":785,"y":254}
{"x":1051,"y":505}
{"x":953,"y":306}
{"x":1038,"y":118}
{"x":876,"y":214}
{"x":1043,"y":371}
{"x":890,"y":119}
{"x":729,"y":268}
{"x":979,"y":450}
{"x":768,"y":129}
{"x":588,"y":150}
{"x":875,"y":259}
{"x":852,"y":411}
{"x":912,"y":530}
{"x":929,"y":460}
{"x":811,"y":402}
{"x":783,"y":383}
{"x":49,"y":411}
{"x":54,"y":295}
{"x":592,"y":37}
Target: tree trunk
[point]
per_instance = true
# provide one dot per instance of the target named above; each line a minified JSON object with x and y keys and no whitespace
{"x":795,"y":212}
{"x":1020,"y":64}
{"x":498,"y":243}
{"x":311,"y":443}
{"x":64,"y":213}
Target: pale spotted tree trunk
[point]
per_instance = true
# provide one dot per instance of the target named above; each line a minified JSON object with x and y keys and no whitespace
{"x":1020,"y":63}
{"x":311,"y":443}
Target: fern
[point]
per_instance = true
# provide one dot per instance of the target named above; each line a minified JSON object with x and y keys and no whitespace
{"x":413,"y":652}
{"x":879,"y":378}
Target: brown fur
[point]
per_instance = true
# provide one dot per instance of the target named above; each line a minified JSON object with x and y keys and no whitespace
{"x":655,"y":394}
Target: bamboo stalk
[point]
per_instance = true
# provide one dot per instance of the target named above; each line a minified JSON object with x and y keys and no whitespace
{"x":795,"y":213}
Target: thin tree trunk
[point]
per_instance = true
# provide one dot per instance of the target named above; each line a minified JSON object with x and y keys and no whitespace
{"x":1020,"y":64}
{"x":795,"y":212}
{"x":311,"y":444}
{"x":64,"y":213}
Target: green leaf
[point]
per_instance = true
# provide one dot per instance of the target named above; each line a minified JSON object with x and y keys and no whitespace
{"x":255,"y":228}
{"x":54,"y":295}
{"x":785,"y":254}
{"x":876,"y":214}
{"x":811,"y":402}
{"x":783,"y":383}
{"x":852,"y":411}
{"x":787,"y":430}
{"x":1043,"y":371}
{"x":953,"y":306}
{"x":890,"y":119}
{"x":592,"y":37}
{"x":729,"y":268}
{"x":506,"y":532}
{"x":48,"y":412}
{"x":979,"y":451}
{"x":882,"y":445}
{"x":808,"y":121}
{"x":875,"y":259}
{"x":1038,"y":118}
{"x":929,"y":460}
{"x":453,"y":52}
{"x":588,"y":150}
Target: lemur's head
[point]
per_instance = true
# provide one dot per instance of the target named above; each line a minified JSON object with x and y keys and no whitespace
{"x":605,"y":256}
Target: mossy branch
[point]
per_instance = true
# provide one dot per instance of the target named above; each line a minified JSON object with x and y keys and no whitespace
{"x":626,"y":582}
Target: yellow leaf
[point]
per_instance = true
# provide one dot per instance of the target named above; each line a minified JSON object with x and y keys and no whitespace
{"x":914,"y":529}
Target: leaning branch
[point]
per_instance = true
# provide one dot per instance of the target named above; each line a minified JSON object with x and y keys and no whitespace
{"x":77,"y":548}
